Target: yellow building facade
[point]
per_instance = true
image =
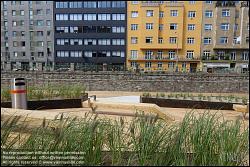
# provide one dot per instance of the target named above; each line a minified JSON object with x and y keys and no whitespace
{"x":162,"y":34}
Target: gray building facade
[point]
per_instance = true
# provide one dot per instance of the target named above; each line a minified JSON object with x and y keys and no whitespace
{"x":90,"y":33}
{"x":27,"y":35}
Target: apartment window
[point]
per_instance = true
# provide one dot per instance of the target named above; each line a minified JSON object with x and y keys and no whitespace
{"x":149,"y":13}
{"x":247,"y":39}
{"x":39,"y":22}
{"x":135,"y":2}
{"x":134,"y":14}
{"x":104,"y":42}
{"x":75,"y":54}
{"x":190,"y":40}
{"x":40,"y":43}
{"x":48,"y":11}
{"x":223,"y":40}
{"x":173,"y":26}
{"x":134,"y":26}
{"x":221,"y":55}
{"x":171,"y":64}
{"x":118,"y":42}
{"x":208,"y":27}
{"x":208,"y":13}
{"x":13,"y":13}
{"x":48,"y":23}
{"x":174,"y":13}
{"x":22,"y":12}
{"x":225,"y":13}
{"x":236,"y":27}
{"x":245,"y":55}
{"x":75,"y":17}
{"x":90,"y":42}
{"x":184,"y":65}
{"x":104,"y":17}
{"x":207,"y":41}
{"x":89,"y":4}
{"x":148,"y":64}
{"x":149,"y":26}
{"x":159,"y":54}
{"x":160,"y":27}
{"x":22,"y":33}
{"x":118,"y":16}
{"x":5,"y":23}
{"x":171,"y":54}
{"x":161,"y":14}
{"x":15,"y":54}
{"x":22,"y":43}
{"x":191,"y":27}
{"x":79,"y":42}
{"x":118,"y":4}
{"x":233,"y":56}
{"x":159,"y":64}
{"x":14,"y":34}
{"x":40,"y":33}
{"x":191,"y":14}
{"x":118,"y":54}
{"x":248,"y":26}
{"x":104,"y":4}
{"x":48,"y":33}
{"x":22,"y":22}
{"x":14,"y":23}
{"x":191,"y":2}
{"x":160,"y":40}
{"x":118,"y":29}
{"x":224,"y":26}
{"x":62,"y":29}
{"x":149,"y":54}
{"x":172,"y":40}
{"x":209,"y":2}
{"x":23,"y":54}
{"x":14,"y":43}
{"x":5,"y":13}
{"x":190,"y":54}
{"x":75,"y":4}
{"x":62,"y":5}
{"x":39,"y":11}
{"x":149,"y":40}
{"x":237,"y":14}
{"x":134,"y":40}
{"x":206,"y":54}
{"x":134,"y":54}
{"x":62,"y":53}
{"x":62,"y":17}
{"x":89,"y":16}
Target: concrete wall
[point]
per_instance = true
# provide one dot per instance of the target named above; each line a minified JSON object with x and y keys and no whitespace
{"x":108,"y":81}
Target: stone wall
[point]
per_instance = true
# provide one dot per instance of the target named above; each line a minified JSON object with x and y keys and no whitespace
{"x":125,"y":81}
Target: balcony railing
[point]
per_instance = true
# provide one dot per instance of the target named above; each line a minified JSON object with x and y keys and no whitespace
{"x":244,"y":4}
{"x":156,"y":58}
{"x":176,"y":4}
{"x":225,"y":4}
{"x":150,"y":4}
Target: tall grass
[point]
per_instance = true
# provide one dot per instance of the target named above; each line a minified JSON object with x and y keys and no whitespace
{"x":200,"y":139}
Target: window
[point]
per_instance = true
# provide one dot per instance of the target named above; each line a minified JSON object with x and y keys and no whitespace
{"x":15,"y":54}
{"x":39,"y":22}
{"x":191,"y":2}
{"x":104,"y":42}
{"x":221,"y":55}
{"x":48,"y":33}
{"x":190,"y":40}
{"x":149,"y":26}
{"x":248,"y":26}
{"x":118,"y":16}
{"x":14,"y":23}
{"x":14,"y":34}
{"x":48,"y":11}
{"x":14,"y":43}
{"x":236,"y":27}
{"x":48,"y":23}
{"x":89,"y":16}
{"x":22,"y":12}
{"x":134,"y":40}
{"x":172,"y":40}
{"x":118,"y":29}
{"x":245,"y":55}
{"x":209,"y":2}
{"x":75,"y":17}
{"x":224,"y":26}
{"x":159,"y":54}
{"x":208,"y":27}
{"x":61,"y":4}
{"x":118,"y":42}
{"x":40,"y":43}
{"x":160,"y":27}
{"x":90,"y":42}
{"x":149,"y":54}
{"x":174,"y":13}
{"x":5,"y":23}
{"x":22,"y":43}
{"x":104,"y":17}
{"x":39,"y":11}
{"x":149,"y":13}
{"x":77,"y":42}
{"x":206,"y":54}
{"x":134,"y":26}
{"x":22,"y":22}
{"x":89,"y":4}
{"x":75,"y":54}
{"x":23,"y":54}
{"x":62,"y":29}
{"x":223,"y":40}
{"x":75,"y":4}
{"x":207,"y":41}
{"x":39,"y":33}
{"x":173,"y":26}
{"x":247,"y":39}
{"x":134,"y":14}
{"x":190,"y":54}
{"x":208,"y":13}
{"x":171,"y":64}
{"x":233,"y":56}
{"x":148,"y":64}
{"x":171,"y":54}
{"x":191,"y":14}
{"x":159,"y":64}
{"x":149,"y":40}
{"x":62,"y":17}
{"x":135,"y":2}
{"x":118,"y":4}
{"x":160,"y":40}
{"x":62,"y":53}
{"x":161,"y":14}
{"x":118,"y":54}
{"x":134,"y":54}
{"x":22,"y":33}
{"x":225,"y":13}
{"x":104,"y":4}
{"x":237,"y":14}
{"x":13,"y":13}
{"x":191,"y":27}
{"x":5,"y":12}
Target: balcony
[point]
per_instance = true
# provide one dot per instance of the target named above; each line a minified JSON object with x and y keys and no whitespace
{"x":225,"y":4}
{"x":244,"y":4}
{"x":164,"y":59}
{"x":176,"y":4}
{"x":146,"y":4}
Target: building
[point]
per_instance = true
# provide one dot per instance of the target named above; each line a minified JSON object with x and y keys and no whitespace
{"x":225,"y":35}
{"x":27,"y":35}
{"x":162,"y":34}
{"x":89,"y":33}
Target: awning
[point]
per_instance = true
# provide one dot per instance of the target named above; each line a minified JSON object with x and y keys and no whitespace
{"x":212,"y":65}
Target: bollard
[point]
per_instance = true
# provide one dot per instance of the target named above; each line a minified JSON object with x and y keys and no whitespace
{"x":18,"y":93}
